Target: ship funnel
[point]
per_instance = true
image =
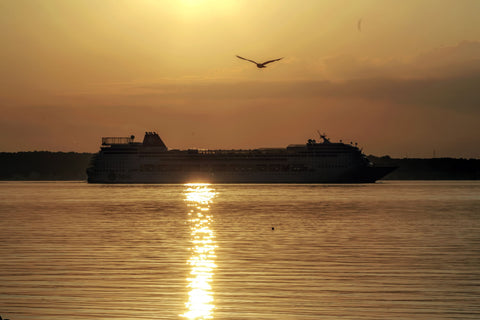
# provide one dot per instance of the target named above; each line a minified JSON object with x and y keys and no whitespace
{"x":154,"y":140}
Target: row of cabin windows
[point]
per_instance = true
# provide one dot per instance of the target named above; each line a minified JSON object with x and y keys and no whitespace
{"x":219,"y":168}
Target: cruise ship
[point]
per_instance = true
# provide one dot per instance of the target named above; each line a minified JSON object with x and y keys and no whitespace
{"x":122,"y":160}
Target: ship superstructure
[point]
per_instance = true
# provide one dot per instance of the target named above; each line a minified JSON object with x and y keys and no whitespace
{"x":122,"y":160}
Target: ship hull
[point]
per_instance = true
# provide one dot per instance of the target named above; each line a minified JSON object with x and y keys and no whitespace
{"x":357,"y":175}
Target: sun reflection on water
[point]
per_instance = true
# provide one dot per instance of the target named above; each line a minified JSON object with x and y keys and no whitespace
{"x":202,"y":260}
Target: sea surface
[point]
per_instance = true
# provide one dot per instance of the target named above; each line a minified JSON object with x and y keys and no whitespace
{"x":390,"y":250}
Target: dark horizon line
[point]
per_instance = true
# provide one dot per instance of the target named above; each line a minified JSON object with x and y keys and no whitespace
{"x":387,"y":157}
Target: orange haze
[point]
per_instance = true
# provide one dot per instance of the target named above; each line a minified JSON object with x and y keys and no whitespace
{"x":405,"y":83}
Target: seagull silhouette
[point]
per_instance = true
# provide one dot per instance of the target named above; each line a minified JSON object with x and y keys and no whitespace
{"x":260,"y":65}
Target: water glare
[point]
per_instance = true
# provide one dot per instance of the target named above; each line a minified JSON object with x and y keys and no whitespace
{"x":391,"y":250}
{"x":202,"y":260}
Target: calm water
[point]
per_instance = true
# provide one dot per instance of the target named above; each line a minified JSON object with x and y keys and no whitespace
{"x":391,"y":250}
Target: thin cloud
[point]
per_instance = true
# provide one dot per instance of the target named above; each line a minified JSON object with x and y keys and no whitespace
{"x":447,"y":61}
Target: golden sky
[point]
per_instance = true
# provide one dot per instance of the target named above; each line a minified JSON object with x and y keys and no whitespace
{"x":403,"y":84}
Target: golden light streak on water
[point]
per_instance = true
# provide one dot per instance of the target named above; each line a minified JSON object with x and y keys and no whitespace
{"x":200,"y":303}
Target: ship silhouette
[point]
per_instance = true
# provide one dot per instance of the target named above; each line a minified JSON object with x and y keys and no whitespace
{"x":122,"y":160}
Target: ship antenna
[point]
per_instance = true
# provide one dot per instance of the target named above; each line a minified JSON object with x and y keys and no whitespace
{"x":324,"y":137}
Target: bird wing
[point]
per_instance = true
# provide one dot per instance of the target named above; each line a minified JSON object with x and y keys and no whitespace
{"x":246,"y":59}
{"x":272,"y":60}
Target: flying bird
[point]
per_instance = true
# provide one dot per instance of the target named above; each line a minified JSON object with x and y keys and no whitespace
{"x":260,"y":65}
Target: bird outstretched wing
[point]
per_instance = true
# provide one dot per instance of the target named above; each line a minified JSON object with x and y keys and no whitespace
{"x":272,"y":60}
{"x":247,"y":59}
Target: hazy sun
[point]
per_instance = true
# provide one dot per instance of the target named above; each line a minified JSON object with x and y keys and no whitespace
{"x":192,"y":2}
{"x":207,"y":5}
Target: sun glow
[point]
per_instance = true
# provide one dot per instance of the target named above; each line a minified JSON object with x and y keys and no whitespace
{"x":207,"y":7}
{"x":202,"y":260}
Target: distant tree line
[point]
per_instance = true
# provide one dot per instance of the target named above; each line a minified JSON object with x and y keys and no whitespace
{"x":430,"y":169}
{"x":45,"y":165}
